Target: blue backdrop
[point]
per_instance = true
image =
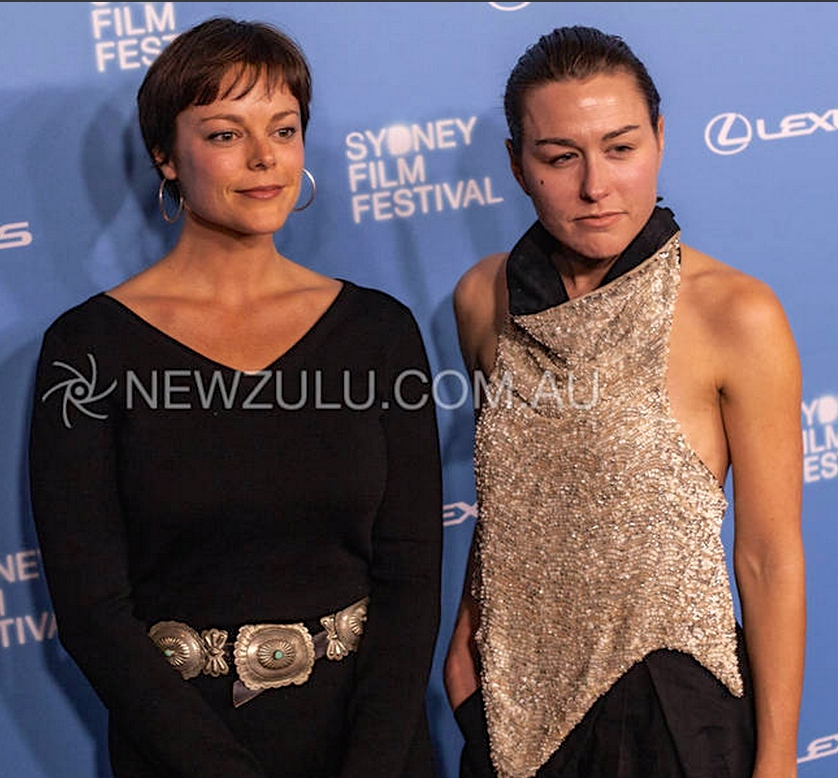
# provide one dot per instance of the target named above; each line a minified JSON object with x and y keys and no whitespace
{"x":406,"y":142}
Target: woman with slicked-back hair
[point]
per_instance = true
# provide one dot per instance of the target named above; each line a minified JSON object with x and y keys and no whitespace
{"x":628,"y":375}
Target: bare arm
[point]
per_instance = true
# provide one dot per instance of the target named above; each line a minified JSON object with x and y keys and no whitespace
{"x":479,"y":307}
{"x":460,"y":674}
{"x":761,"y":396}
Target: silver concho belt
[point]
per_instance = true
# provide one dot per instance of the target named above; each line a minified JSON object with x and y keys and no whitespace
{"x":266,"y":656}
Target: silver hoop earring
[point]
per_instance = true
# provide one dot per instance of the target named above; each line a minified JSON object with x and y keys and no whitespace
{"x":161,"y":201}
{"x":310,"y":200}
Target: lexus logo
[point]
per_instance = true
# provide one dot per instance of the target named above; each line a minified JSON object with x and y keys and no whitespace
{"x":728,"y":133}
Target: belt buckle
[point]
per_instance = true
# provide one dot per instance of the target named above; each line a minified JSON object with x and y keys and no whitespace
{"x":344,"y":629}
{"x":268,"y":656}
{"x":190,"y":653}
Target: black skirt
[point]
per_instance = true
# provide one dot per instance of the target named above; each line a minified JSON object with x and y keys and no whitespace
{"x":667,"y":717}
{"x":294,"y":731}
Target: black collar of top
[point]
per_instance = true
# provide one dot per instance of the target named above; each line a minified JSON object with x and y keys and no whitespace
{"x":534,"y":282}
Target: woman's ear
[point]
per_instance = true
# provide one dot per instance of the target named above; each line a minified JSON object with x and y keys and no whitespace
{"x":165,"y":165}
{"x":659,"y":132}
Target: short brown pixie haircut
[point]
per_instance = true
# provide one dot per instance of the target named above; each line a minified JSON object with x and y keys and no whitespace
{"x":190,"y":69}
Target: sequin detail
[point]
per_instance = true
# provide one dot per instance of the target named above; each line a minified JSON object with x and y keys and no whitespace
{"x":598,"y":539}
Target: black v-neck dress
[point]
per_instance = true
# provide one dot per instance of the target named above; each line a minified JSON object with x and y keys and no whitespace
{"x":166,"y":486}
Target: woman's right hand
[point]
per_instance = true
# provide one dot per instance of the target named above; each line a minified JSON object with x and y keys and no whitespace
{"x":460,"y":673}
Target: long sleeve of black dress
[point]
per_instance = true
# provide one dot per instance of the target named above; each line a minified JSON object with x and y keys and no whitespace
{"x":405,"y":577}
{"x":166,"y":486}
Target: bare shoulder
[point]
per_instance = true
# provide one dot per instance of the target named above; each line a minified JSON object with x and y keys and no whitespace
{"x":738,"y":331}
{"x":735,"y":308}
{"x":480,"y":305}
{"x":477,"y":288}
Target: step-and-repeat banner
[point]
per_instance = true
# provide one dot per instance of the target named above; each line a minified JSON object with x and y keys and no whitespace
{"x":406,"y":142}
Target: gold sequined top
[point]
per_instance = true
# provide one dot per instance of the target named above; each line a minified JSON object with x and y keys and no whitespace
{"x":598,"y":540}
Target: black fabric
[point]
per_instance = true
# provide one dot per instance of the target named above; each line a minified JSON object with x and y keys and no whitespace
{"x":535,"y":284}
{"x":475,"y":760}
{"x":155,"y":504}
{"x":666,"y":717}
